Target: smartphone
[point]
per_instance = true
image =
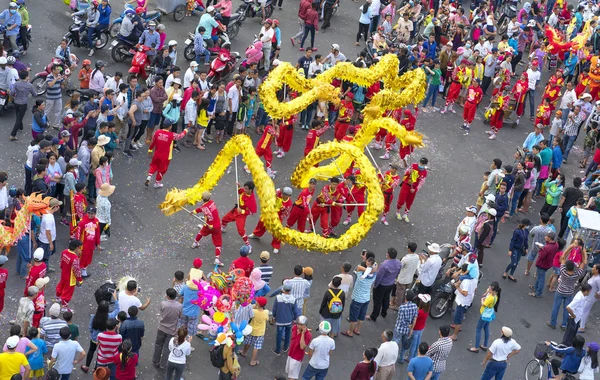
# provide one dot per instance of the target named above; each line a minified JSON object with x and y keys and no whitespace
{"x":539,"y":244}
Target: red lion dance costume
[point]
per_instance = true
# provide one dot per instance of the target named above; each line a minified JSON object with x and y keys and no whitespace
{"x":518,"y":93}
{"x":594,"y":77}
{"x":552,"y":90}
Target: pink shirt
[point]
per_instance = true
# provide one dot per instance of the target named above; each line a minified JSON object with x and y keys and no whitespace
{"x":226,"y":7}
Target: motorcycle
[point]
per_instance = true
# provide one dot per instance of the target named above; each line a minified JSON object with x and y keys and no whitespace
{"x":222,"y":43}
{"x":139,"y":62}
{"x":120,"y":49}
{"x":223,"y":65}
{"x":443,"y":300}
{"x":19,"y":42}
{"x":253,"y":53}
{"x":4,"y":103}
{"x":247,"y":10}
{"x":235,"y":23}
{"x":147,"y":17}
{"x":508,"y":10}
{"x":78,"y":35}
{"x":39,"y":81}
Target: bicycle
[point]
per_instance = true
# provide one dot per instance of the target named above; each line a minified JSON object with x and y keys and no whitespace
{"x":535,"y":368}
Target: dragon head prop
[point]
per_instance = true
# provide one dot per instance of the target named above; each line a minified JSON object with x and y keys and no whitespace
{"x":37,"y":204}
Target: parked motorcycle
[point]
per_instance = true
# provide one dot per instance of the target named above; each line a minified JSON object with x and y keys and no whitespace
{"x":222,"y":66}
{"x":78,"y":35}
{"x":443,"y":300}
{"x":39,"y":81}
{"x":140,"y":62}
{"x":248,"y":10}
{"x":508,"y":10}
{"x":19,"y":42}
{"x":120,"y":49}
{"x":235,"y":23}
{"x":147,"y":17}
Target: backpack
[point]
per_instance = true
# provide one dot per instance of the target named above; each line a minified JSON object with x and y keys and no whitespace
{"x":335,"y":303}
{"x":216,"y":356}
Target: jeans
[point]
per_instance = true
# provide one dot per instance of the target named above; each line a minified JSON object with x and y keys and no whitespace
{"x":435,"y":376}
{"x":91,"y":186}
{"x":496,"y":224}
{"x":209,"y":43}
{"x":514,"y":262}
{"x":485,"y":326}
{"x":21,"y":110}
{"x":285,"y":333}
{"x":568,"y":144}
{"x":494,"y":370}
{"x":592,"y":167}
{"x":310,"y":372}
{"x":174,"y":368}
{"x":558,"y":299}
{"x":414,"y":344}
{"x":531,"y":95}
{"x":513,"y":203}
{"x":539,"y":283}
{"x":590,"y":178}
{"x":308,"y":29}
{"x":570,"y":332}
{"x":363,"y":31}
{"x":154,"y":119}
{"x":205,"y":54}
{"x":161,"y":348}
{"x":306,"y":116}
{"x":402,"y":340}
{"x":432,"y":93}
{"x":24,"y":256}
{"x":65,"y":376}
{"x":267,"y":56}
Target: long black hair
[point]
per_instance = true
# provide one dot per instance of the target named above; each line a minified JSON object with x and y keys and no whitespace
{"x":593,"y":357}
{"x":370,"y":354}
{"x":36,"y":105}
{"x":126,"y":347}
{"x":496,"y":287}
{"x":578,"y":343}
{"x":101,"y":316}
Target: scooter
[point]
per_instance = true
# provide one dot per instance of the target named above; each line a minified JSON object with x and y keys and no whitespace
{"x":139,"y":62}
{"x":120,"y":49}
{"x":248,"y":10}
{"x":222,"y":66}
{"x":253,"y":53}
{"x":19,"y":42}
{"x":39,"y":81}
{"x":235,"y":23}
{"x":78,"y":35}
{"x":222,"y":43}
{"x":508,"y":10}
{"x":4,"y":103}
{"x":147,"y":17}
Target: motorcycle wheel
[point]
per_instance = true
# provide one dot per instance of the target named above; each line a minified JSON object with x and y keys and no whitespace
{"x":114,"y":29}
{"x":102,"y":40}
{"x":233,"y":30}
{"x":119,"y":53}
{"x":179,"y":13}
{"x":39,"y":85}
{"x":269,"y":11}
{"x":439,"y":307}
{"x":189,"y":53}
{"x":503,"y":26}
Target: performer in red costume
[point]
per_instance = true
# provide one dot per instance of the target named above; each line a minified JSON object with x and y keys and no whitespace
{"x":301,"y":207}
{"x":389,"y":181}
{"x":459,"y":76}
{"x":357,"y":195}
{"x":409,"y":122}
{"x":413,"y":180}
{"x":346,"y":110}
{"x":162,"y":145}
{"x":263,"y":148}
{"x":88,"y":231}
{"x":497,"y":114}
{"x":323,"y":204}
{"x":340,"y":196}
{"x":583,"y":83}
{"x":317,"y":129}
{"x":543,"y":113}
{"x":246,"y":206}
{"x":390,"y":139}
{"x":37,"y":269}
{"x":518,"y":93}
{"x":474,"y":97}
{"x":211,"y":227}
{"x":70,"y":273}
{"x":284,"y":205}
{"x":286,"y":132}
{"x":552,"y":90}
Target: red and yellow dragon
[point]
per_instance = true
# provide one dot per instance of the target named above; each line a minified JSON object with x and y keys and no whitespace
{"x":34,"y":204}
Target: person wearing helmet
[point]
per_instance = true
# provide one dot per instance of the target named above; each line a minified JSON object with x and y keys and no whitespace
{"x":284,"y":200}
{"x":151,"y":39}
{"x":24,"y":22}
{"x":266,"y":35}
{"x":127,"y":24}
{"x":209,"y":23}
{"x":91,"y":22}
{"x":11,"y":19}
{"x":379,"y":42}
{"x":13,"y":74}
{"x":84,"y":74}
{"x":97,"y":77}
{"x":468,"y":221}
{"x":276,"y":42}
{"x":173,"y":52}
{"x":104,"y":11}
{"x":4,"y":85}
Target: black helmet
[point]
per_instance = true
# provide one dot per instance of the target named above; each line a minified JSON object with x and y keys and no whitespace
{"x":100,"y":64}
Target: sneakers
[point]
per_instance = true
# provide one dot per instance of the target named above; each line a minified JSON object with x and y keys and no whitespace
{"x":444,"y":110}
{"x":464,"y":126}
{"x":127,"y":153}
{"x":275,"y":251}
{"x":271,"y":173}
{"x":195,"y":244}
{"x":398,"y":215}
{"x":252,"y":236}
{"x":281,"y":154}
{"x":218,"y":262}
{"x":405,"y":218}
{"x":222,"y":229}
{"x":584,"y":187}
{"x":384,"y":221}
{"x":103,"y":238}
{"x":91,"y":52}
{"x":275,"y":352}
{"x":386,"y":156}
{"x":64,"y":222}
{"x":347,"y":221}
{"x":84,"y":272}
{"x":157,"y":185}
{"x":492,"y":137}
{"x":147,"y":183}
{"x":246,"y":169}
{"x":489,"y":132}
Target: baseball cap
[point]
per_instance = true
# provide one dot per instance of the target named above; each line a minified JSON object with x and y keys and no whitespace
{"x":302,"y":320}
{"x":74,"y":162}
{"x":193,"y":64}
{"x":55,"y":202}
{"x":12,"y":341}
{"x":65,"y":133}
{"x":91,"y":210}
{"x":264,"y":255}
{"x":490,"y":198}
{"x":244,"y":250}
{"x":507,"y":331}
{"x":197,"y":263}
{"x":472,"y":209}
{"x":261,"y":301}
{"x":32,"y":290}
{"x":434,"y":247}
{"x":525,"y":221}
{"x":287,"y":190}
{"x":312,"y":181}
{"x":593,"y":346}
{"x":54,"y":310}
{"x":492,"y":211}
{"x":38,"y":254}
{"x":325,"y":327}
{"x":3,"y":259}
{"x":42,"y":281}
{"x":287,"y":286}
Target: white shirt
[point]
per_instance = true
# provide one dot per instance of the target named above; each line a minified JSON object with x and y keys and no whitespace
{"x":375,"y":6}
{"x":170,"y":80}
{"x":314,"y":66}
{"x":121,"y":99}
{"x":430,"y":270}
{"x":190,"y":113}
{"x":568,"y":97}
{"x":112,"y":84}
{"x":3,"y":198}
{"x":468,"y":221}
{"x":188,"y":78}
{"x":594,"y":282}
{"x":48,"y":224}
{"x":321,"y":346}
{"x":553,"y":20}
{"x":513,"y":27}
{"x":125,"y":301}
{"x":267,"y":35}
{"x":576,"y":305}
{"x":65,"y":352}
{"x":410,"y":262}
{"x":234,"y":95}
{"x":533,"y":77}
{"x":203,"y":85}
{"x":179,"y":353}
{"x":469,"y":286}
{"x":500,"y":350}
{"x":387,"y":354}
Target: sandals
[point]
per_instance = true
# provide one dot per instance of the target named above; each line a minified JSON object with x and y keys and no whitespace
{"x":356,"y":332}
{"x":473,"y":350}
{"x":484,"y":348}
{"x":504,"y":276}
{"x":346,"y":333}
{"x":254,"y":364}
{"x":532,"y":295}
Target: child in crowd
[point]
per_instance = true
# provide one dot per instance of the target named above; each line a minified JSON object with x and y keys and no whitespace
{"x":178,"y":282}
{"x":259,"y":327}
{"x":480,"y":199}
{"x":68,"y":317}
{"x":556,"y":125}
{"x":36,"y":359}
{"x":241,"y":119}
{"x":201,"y":124}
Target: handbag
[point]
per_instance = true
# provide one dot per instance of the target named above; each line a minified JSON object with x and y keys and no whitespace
{"x":489,"y":314}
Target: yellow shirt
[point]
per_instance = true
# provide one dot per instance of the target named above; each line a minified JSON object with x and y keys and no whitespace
{"x":490,"y":301}
{"x":259,"y":322}
{"x":202,"y":119}
{"x":502,"y":46}
{"x":10,"y":364}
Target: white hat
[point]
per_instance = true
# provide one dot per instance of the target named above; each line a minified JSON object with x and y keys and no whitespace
{"x":585,"y":95}
{"x":103,"y":140}
{"x":74,"y":162}
{"x":531,"y":23}
{"x":42,"y":281}
{"x":492,"y":211}
{"x":193,"y":64}
{"x":12,"y":341}
{"x":276,"y":62}
{"x":507,"y":331}
{"x":178,"y":81}
{"x":450,"y":44}
{"x":324,"y":327}
{"x":302,"y":320}
{"x":472,"y":209}
{"x":172,"y":43}
{"x":490,"y":198}
{"x":210,"y":9}
{"x":434,"y":247}
{"x":3,"y":259}
{"x":54,"y":310}
{"x":424,"y":297}
{"x":38,"y":254}
{"x":335,"y":47}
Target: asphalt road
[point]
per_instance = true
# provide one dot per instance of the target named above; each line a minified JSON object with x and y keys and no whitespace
{"x":151,"y":247}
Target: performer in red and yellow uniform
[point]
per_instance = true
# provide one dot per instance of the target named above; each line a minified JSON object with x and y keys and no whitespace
{"x":39,"y":302}
{"x":594,"y":75}
{"x":340,"y":196}
{"x":37,"y":269}
{"x":286,"y":132}
{"x":502,"y":79}
{"x":474,"y":97}
{"x":413,"y":180}
{"x":70,"y":272}
{"x":389,"y":181}
{"x":162,"y":145}
{"x":323,"y":204}
{"x":346,"y":110}
{"x":88,"y":231}
{"x":246,"y":206}
{"x":212,"y":226}
{"x":390,"y":139}
{"x":583,"y":83}
{"x":263,"y":148}
{"x":284,"y":204}
{"x":357,"y":195}
{"x":543,"y":113}
{"x":552,"y":90}
{"x":518,"y":93}
{"x":409,"y":122}
{"x":496,"y":117}
{"x":459,"y":78}
{"x":301,"y":207}
{"x":80,"y":206}
{"x":317,"y":129}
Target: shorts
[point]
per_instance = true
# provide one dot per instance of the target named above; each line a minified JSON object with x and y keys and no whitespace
{"x":36,"y":373}
{"x":262,"y":118}
{"x":336,"y":325}
{"x":239,"y":125}
{"x":292,"y":368}
{"x":254,"y":341}
{"x":531,"y":255}
{"x":358,"y":311}
{"x":459,"y":314}
{"x":190,"y":322}
{"x":587,"y":152}
{"x":556,"y":270}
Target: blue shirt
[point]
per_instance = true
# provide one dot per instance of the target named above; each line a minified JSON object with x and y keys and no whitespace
{"x":189,"y":295}
{"x":406,"y":315}
{"x":110,"y":107}
{"x":531,"y":140}
{"x":8,"y":19}
{"x":420,"y":366}
{"x":104,"y":14}
{"x":151,"y":40}
{"x":519,"y":241}
{"x":133,"y":328}
{"x":556,"y":157}
{"x":36,"y":359}
{"x":209,"y":23}
{"x":361,"y":292}
{"x":53,"y":92}
{"x":365,"y":17}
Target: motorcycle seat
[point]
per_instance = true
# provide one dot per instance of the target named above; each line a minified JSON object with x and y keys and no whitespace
{"x":86,"y":92}
{"x":152,"y":14}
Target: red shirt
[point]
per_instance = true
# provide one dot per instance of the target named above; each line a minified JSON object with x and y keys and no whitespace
{"x":267,"y":138}
{"x":36,"y":271}
{"x":597,"y":156}
{"x":326,"y":195}
{"x":414,"y":177}
{"x":3,"y":279}
{"x":389,"y":181}
{"x":421,"y":320}
{"x":312,"y":18}
{"x":69,"y":264}
{"x":341,"y":193}
{"x":243,"y":263}
{"x":127,"y":373}
{"x":88,"y":230}
{"x":211,"y":214}
{"x":312,"y":138}
{"x":162,"y":142}
{"x":247,"y":202}
{"x":474,"y":95}
{"x":346,"y":111}
{"x":304,"y":197}
{"x":284,"y":207}
{"x":295,"y":351}
{"x":305,"y":5}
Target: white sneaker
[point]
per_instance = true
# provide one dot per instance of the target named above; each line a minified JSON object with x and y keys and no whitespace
{"x":384,"y":221}
{"x":218,"y":262}
{"x":195,"y":244}
{"x":444,"y":110}
{"x":492,"y":136}
{"x":275,"y":251}
{"x":157,"y":185}
{"x":140,"y":143}
{"x":281,"y":154}
{"x":386,"y":156}
{"x":84,"y":272}
{"x":103,"y":238}
{"x":489,"y":132}
{"x":222,"y":229}
{"x":436,"y":109}
{"x":252,"y":236}
{"x":91,"y":52}
{"x":347,"y":221}
{"x":584,"y":188}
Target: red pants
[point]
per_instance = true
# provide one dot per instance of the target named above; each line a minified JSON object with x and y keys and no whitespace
{"x":380,"y":134}
{"x":389,"y":141}
{"x":260,"y":230}
{"x":64,"y":290}
{"x":36,"y":319}
{"x":497,"y":120}
{"x":159,"y":166}
{"x":469,"y":112}
{"x":356,"y":199}
{"x":340,"y":130}
{"x":323,"y":213}
{"x":217,"y":237}
{"x":240,"y":223}
{"x":453,"y":92}
{"x":284,"y":140}
{"x":267,"y":153}
{"x":594,"y":92}
{"x":298,"y":214}
{"x":336,"y":216}
{"x":87,"y":253}
{"x":388,"y":196}
{"x":406,"y":197}
{"x":1,"y":300}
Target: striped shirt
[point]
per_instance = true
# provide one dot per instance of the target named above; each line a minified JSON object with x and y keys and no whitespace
{"x":108,"y":346}
{"x":53,"y":92}
{"x":566,"y":281}
{"x":50,"y":329}
{"x":362,"y":288}
{"x":266,"y":272}
{"x":439,"y":352}
{"x":571,"y":125}
{"x":299,"y":289}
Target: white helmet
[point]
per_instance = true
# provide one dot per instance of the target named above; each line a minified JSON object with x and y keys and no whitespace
{"x":172,"y":43}
{"x":3,"y":61}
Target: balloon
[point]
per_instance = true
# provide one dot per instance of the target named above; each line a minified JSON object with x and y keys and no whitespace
{"x":219,"y":281}
{"x":219,"y":317}
{"x":247,"y":330}
{"x":224,"y":303}
{"x":206,"y":319}
{"x":203,"y":327}
{"x":243,"y":291}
